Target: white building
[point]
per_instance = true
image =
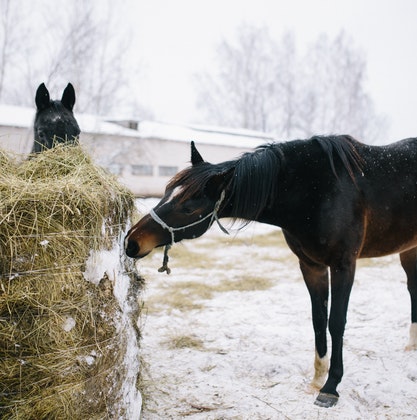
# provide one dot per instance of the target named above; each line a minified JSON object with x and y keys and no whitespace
{"x":143,"y":154}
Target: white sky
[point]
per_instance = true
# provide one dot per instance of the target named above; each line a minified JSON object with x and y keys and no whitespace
{"x":178,"y":38}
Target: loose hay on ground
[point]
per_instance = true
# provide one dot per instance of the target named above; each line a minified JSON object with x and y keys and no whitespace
{"x":59,"y":340}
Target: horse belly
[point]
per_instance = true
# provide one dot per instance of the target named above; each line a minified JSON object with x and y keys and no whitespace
{"x":385,"y":239}
{"x":371,"y":251}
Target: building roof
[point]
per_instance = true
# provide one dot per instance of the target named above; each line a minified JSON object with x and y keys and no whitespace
{"x":203,"y":134}
{"x":16,"y":116}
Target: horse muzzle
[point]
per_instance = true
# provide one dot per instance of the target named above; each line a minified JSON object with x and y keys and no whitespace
{"x":133,"y":248}
{"x":140,"y":242}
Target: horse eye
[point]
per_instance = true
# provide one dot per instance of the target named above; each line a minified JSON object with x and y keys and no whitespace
{"x":188,"y":210}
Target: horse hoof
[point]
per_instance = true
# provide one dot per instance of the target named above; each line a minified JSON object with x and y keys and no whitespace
{"x":326,"y":400}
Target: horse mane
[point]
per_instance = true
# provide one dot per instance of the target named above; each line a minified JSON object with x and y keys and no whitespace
{"x":254,"y":185}
{"x":194,"y":178}
{"x":254,"y":182}
{"x":345,"y":148}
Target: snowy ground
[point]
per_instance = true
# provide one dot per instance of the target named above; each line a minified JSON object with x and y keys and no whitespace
{"x":225,"y":353}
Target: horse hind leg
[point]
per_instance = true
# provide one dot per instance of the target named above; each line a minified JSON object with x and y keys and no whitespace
{"x":409,"y":263}
{"x":412,"y":343}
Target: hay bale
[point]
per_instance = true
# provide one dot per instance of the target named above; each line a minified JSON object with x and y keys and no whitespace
{"x":64,"y":341}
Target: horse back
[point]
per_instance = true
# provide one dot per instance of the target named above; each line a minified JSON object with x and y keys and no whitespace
{"x":328,"y":212}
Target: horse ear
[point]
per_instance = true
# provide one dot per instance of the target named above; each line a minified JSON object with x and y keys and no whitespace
{"x":195,"y":155}
{"x":68,"y":97}
{"x":42,"y":98}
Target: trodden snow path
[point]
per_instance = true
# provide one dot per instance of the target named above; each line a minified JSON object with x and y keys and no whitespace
{"x":248,"y":354}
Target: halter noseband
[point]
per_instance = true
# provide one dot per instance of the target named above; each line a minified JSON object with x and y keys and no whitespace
{"x":213,"y":215}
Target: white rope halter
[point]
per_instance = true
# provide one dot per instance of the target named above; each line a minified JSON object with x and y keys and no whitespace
{"x":213,"y":215}
{"x":172,"y":230}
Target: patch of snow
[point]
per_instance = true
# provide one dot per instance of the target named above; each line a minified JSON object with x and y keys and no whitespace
{"x":88,"y":360}
{"x":69,"y":324}
{"x":101,"y":262}
{"x":109,"y":262}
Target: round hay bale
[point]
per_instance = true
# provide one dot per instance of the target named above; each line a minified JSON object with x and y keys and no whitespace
{"x":68,"y":319}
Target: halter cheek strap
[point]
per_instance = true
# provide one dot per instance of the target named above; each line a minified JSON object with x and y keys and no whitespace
{"x":213,"y":215}
{"x":163,"y":224}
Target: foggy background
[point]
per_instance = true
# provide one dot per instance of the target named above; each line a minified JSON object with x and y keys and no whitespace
{"x":292,"y":69}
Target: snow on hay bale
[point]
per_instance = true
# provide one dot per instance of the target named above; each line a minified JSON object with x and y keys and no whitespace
{"x":68,"y":301}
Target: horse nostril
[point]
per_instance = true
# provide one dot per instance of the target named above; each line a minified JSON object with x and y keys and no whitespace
{"x":132,"y":248}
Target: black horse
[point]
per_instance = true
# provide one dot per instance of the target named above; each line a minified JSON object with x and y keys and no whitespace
{"x":54,"y":121}
{"x":335,"y":199}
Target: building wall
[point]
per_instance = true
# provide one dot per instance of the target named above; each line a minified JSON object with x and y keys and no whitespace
{"x":16,"y":139}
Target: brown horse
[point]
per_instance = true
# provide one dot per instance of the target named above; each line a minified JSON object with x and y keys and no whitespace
{"x":335,"y":199}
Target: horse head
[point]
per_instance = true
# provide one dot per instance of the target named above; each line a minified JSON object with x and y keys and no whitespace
{"x":54,"y":120}
{"x":193,"y":200}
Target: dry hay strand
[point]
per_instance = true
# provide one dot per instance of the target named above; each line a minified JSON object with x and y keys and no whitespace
{"x":59,"y":341}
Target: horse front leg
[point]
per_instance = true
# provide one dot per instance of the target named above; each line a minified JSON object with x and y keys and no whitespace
{"x":342,"y":277}
{"x":316,"y":278}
